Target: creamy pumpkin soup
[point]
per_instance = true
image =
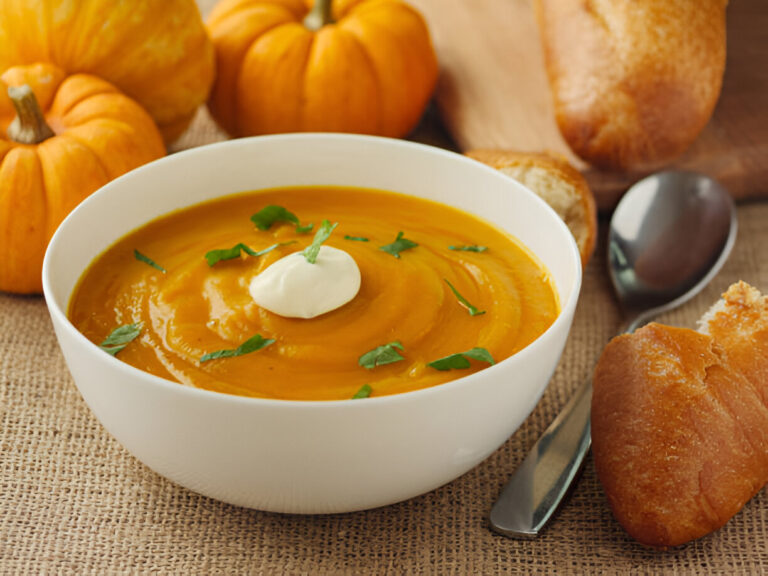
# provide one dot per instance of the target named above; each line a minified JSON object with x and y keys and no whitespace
{"x":315,"y":293}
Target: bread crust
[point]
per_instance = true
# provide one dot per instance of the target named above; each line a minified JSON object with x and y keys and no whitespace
{"x":579,"y":212}
{"x":680,"y":422}
{"x":633,"y":83}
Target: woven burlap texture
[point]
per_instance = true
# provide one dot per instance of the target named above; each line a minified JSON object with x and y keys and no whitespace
{"x":72,"y":500}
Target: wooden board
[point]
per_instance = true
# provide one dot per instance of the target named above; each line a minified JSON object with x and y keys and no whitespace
{"x":493,"y":92}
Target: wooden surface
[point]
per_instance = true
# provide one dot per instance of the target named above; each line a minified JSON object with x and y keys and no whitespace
{"x":493,"y":92}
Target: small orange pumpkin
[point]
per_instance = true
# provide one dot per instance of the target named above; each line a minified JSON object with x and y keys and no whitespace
{"x":89,"y":134}
{"x":364,"y":66}
{"x":155,"y":51}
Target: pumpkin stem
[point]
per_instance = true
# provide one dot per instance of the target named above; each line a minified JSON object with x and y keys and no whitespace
{"x":319,"y":16}
{"x":29,"y":126}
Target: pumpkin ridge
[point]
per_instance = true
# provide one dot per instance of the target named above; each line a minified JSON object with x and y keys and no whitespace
{"x":361,"y":7}
{"x":73,"y":136}
{"x":376,"y":17}
{"x":78,"y":44}
{"x":257,"y":7}
{"x":228,"y":93}
{"x":102,"y":106}
{"x":347,"y":10}
{"x":153,"y":31}
{"x":267,"y":37}
{"x":305,"y":73}
{"x":22,"y":217}
{"x":373,"y":68}
{"x":55,"y":198}
{"x":75,"y":90}
{"x":129,"y":136}
{"x":228,"y":8}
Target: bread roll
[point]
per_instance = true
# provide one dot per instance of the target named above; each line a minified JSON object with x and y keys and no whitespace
{"x":633,"y":82}
{"x":680,"y":421}
{"x":558,"y":183}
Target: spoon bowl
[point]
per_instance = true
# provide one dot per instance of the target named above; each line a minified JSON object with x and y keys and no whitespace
{"x":669,"y":236}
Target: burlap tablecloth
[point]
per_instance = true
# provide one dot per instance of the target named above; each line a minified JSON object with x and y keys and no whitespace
{"x":72,"y":500}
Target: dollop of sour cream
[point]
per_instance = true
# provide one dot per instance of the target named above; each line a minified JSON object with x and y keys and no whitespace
{"x":294,"y":288}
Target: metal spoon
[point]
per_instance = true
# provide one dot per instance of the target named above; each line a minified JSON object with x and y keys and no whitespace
{"x":669,"y":236}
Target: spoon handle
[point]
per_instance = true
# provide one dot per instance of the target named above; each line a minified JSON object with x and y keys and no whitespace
{"x":538,"y":485}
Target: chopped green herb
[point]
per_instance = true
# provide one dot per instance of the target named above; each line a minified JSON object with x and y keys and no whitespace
{"x":469,"y":248}
{"x":215,"y":256}
{"x":356,"y":238}
{"x":460,"y":361}
{"x":364,"y":392}
{"x":253,"y":344}
{"x":463,"y":301}
{"x":268,"y":215}
{"x":322,"y":234}
{"x":399,"y":245}
{"x":120,"y":337}
{"x":381,"y":355}
{"x":264,"y":218}
{"x":141,"y":258}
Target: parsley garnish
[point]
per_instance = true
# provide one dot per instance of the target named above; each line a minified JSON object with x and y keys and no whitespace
{"x":322,"y":234}
{"x":381,"y":355}
{"x":251,"y":345}
{"x":364,"y":392}
{"x":216,"y":256}
{"x":460,"y":361}
{"x":399,"y":245}
{"x":469,"y":248}
{"x":141,"y":258}
{"x":356,"y":238}
{"x":120,"y":337}
{"x":268,"y":215}
{"x":463,"y":301}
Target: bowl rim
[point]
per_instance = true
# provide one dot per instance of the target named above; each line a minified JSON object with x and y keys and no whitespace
{"x":58,"y":314}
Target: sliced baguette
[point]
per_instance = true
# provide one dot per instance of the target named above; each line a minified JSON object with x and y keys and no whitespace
{"x":558,"y":183}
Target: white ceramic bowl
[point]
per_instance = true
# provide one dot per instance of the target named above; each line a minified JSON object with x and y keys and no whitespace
{"x":309,"y":457}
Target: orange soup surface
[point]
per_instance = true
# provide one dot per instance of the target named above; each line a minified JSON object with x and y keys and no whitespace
{"x":193,"y":309}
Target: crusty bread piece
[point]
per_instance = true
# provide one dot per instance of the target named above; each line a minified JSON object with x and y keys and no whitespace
{"x":633,"y":82}
{"x":680,"y":421}
{"x":558,"y":183}
{"x":739,"y":325}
